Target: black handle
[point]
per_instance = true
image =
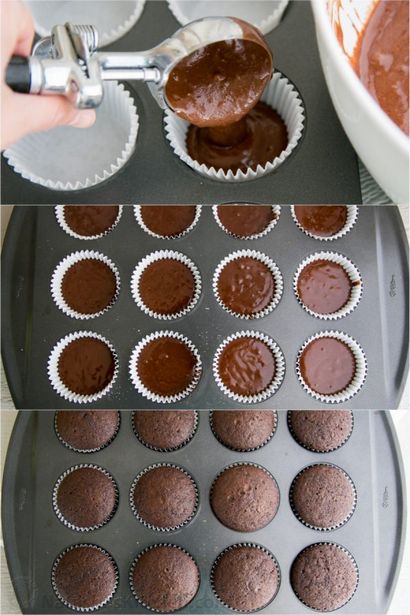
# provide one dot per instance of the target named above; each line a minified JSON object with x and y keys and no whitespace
{"x":18,"y":75}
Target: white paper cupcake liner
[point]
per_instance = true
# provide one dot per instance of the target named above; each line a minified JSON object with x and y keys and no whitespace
{"x":360,"y":373}
{"x":152,"y":258}
{"x":168,"y":449}
{"x":88,"y":450}
{"x":310,"y":448}
{"x":60,"y":215}
{"x":68,"y":158}
{"x":154,"y":527}
{"x":112,"y":19}
{"x":351,"y":218}
{"x":55,"y":496}
{"x":264,"y":15}
{"x":352,"y":273}
{"x":139,"y":218}
{"x":62,"y":599}
{"x":54,"y":376}
{"x":237,"y":546}
{"x":134,"y":563}
{"x":279,"y":94}
{"x":350,"y":556}
{"x":279,"y":368}
{"x":315,"y":527}
{"x":141,"y":388}
{"x":61,"y":270}
{"x":276,"y":213}
{"x":273,"y":268}
{"x":244,"y":450}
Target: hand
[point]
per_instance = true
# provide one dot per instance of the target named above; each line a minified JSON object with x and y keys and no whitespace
{"x":25,"y":113}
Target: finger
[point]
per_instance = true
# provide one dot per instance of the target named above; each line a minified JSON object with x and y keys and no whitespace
{"x":25,"y":26}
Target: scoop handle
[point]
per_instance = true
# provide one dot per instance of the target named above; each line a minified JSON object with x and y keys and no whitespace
{"x":18,"y":74}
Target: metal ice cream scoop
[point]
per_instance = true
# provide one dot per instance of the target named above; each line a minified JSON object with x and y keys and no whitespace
{"x":67,"y":63}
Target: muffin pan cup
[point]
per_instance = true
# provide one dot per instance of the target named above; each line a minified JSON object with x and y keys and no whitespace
{"x":60,"y":215}
{"x":61,"y":270}
{"x":63,"y":600}
{"x":167,"y":450}
{"x":301,"y":519}
{"x":54,"y":376}
{"x":31,"y":322}
{"x":276,"y":276}
{"x":135,"y":510}
{"x":351,"y":271}
{"x":247,"y":450}
{"x":61,"y":516}
{"x":34,"y":536}
{"x":154,"y":257}
{"x":310,"y":174}
{"x":281,"y":95}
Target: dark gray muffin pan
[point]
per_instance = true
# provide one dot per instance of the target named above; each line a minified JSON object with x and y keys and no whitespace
{"x":34,"y":536}
{"x":32,"y":324}
{"x":323,"y":168}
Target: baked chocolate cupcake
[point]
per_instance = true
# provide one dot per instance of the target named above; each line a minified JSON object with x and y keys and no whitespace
{"x":248,"y":284}
{"x":165,"y":367}
{"x":321,"y":220}
{"x":245,"y":577}
{"x":164,"y":430}
{"x":244,"y":497}
{"x":327,"y":365}
{"x":248,"y":366}
{"x":322,"y":496}
{"x":164,"y":497}
{"x":164,"y":578}
{"x":247,"y":221}
{"x":88,"y":221}
{"x":243,"y":430}
{"x":86,"y":431}
{"x":324,"y":576}
{"x":85,"y":497}
{"x":167,"y":221}
{"x":86,"y":365}
{"x":84,"y":577}
{"x":89,"y":286}
{"x":320,"y":431}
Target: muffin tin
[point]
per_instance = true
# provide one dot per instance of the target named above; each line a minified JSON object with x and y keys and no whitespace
{"x":32,"y":324}
{"x":34,"y":536}
{"x":322,"y":169}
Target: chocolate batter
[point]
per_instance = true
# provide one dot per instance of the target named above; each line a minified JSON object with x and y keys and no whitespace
{"x":167,"y":286}
{"x":322,"y":220}
{"x":89,"y":220}
{"x":327,"y":365}
{"x":89,"y":286}
{"x":220,"y":83}
{"x":86,"y":366}
{"x":168,"y":220}
{"x":246,"y":286}
{"x":324,"y":287}
{"x":246,"y":366}
{"x":245,"y":220}
{"x":166,"y":366}
{"x":382,"y":59}
{"x":257,"y":139}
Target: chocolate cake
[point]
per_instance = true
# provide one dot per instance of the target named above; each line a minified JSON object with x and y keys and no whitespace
{"x":324,"y":576}
{"x":86,"y":498}
{"x":243,"y":430}
{"x":320,"y":431}
{"x":86,"y":365}
{"x":164,"y":430}
{"x":245,"y":578}
{"x":245,"y":220}
{"x":164,"y":497}
{"x":166,"y":286}
{"x":327,"y":365}
{"x":165,"y":578}
{"x":88,"y":430}
{"x":321,"y":220}
{"x":168,"y":220}
{"x":245,"y":497}
{"x":90,"y":220}
{"x":324,"y":286}
{"x":89,"y":286}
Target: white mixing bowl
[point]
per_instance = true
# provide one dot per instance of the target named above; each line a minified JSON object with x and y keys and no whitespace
{"x":379,"y":142}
